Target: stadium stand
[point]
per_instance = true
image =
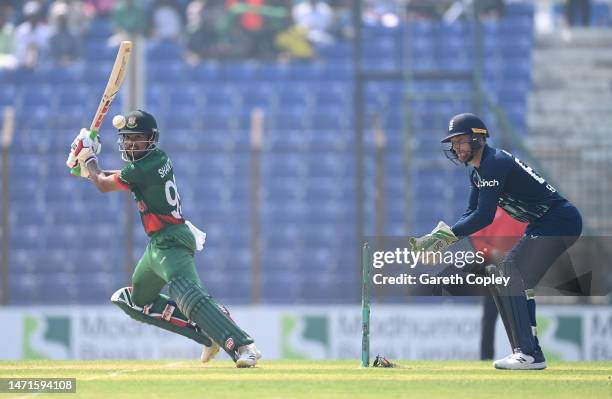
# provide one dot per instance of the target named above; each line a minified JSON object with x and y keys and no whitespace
{"x":68,"y":238}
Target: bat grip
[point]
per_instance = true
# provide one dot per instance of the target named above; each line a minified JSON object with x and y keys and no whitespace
{"x":76,"y":171}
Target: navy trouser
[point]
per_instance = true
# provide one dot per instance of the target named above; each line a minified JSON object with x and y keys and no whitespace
{"x":544,"y":241}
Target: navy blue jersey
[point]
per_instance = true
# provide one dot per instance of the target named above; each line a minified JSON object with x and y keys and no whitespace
{"x":505,"y":181}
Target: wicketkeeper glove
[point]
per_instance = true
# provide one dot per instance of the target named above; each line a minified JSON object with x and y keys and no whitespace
{"x":438,"y":240}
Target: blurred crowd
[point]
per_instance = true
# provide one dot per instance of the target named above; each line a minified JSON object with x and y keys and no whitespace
{"x":44,"y":30}
{"x":35,"y":31}
{"x":54,"y":30}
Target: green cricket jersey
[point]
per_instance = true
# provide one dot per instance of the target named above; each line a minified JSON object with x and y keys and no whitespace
{"x":151,"y":180}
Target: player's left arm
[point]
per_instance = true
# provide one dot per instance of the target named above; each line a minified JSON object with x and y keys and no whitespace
{"x":85,"y":149}
{"x":105,"y":181}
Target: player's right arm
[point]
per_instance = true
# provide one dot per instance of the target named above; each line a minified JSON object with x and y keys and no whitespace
{"x":472,"y":204}
{"x":493,"y":177}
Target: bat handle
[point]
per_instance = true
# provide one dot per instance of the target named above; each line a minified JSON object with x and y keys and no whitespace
{"x":76,"y":169}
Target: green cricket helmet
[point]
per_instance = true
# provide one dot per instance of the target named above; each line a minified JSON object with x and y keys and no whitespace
{"x":136,"y":122}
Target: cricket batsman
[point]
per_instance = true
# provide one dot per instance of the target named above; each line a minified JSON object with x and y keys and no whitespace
{"x":168,"y":259}
{"x":498,"y":178}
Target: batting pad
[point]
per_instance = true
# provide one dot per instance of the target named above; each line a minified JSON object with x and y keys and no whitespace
{"x":166,"y":320}
{"x":199,"y":306}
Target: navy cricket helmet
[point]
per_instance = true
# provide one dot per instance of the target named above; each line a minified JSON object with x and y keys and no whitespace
{"x":464,"y":124}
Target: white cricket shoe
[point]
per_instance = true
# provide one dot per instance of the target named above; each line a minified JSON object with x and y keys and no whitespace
{"x":520,"y":361}
{"x":247,"y":356}
{"x":209,"y":352}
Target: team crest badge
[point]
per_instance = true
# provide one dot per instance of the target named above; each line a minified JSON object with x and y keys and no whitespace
{"x":229,"y":344}
{"x":131,"y":122}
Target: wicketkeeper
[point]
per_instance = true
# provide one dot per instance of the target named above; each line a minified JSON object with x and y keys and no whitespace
{"x":500,"y":179}
{"x":168,"y":259}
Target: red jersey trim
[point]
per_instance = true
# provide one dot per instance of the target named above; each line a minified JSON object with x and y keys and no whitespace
{"x":120,"y":183}
{"x":500,"y":235}
{"x":153,"y":222}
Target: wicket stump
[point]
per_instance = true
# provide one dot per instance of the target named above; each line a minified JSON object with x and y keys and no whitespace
{"x":365,"y":306}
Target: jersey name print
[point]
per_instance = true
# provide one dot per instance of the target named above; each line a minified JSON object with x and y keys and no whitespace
{"x":163,"y":171}
{"x":530,"y":171}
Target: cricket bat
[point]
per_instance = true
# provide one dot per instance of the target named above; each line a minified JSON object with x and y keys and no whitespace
{"x":112,"y":88}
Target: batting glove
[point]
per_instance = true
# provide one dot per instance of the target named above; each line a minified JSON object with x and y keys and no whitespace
{"x":76,"y":145}
{"x":438,"y":240}
{"x":84,"y":172}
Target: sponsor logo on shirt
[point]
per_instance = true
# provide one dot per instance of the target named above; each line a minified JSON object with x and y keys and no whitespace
{"x":487,"y":183}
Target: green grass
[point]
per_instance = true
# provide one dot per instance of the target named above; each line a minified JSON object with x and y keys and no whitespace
{"x":321,"y":379}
